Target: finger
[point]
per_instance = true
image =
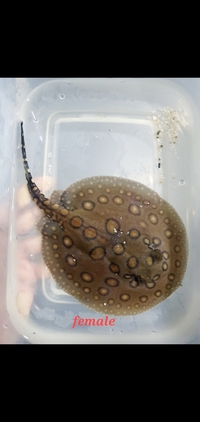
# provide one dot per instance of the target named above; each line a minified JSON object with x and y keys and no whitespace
{"x":8,"y":334}
{"x":27,"y":219}
{"x":26,"y":288}
{"x":28,"y":274}
{"x":25,"y":271}
{"x":24,"y":300}
{"x":31,"y":246}
{"x":41,"y":270}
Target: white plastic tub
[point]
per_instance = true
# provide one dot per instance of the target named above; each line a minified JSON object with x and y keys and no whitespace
{"x":142,"y":129}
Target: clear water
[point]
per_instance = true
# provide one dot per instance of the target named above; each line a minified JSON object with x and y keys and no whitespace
{"x":144,"y":130}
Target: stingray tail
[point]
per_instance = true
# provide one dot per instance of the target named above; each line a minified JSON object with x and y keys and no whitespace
{"x":52,"y":210}
{"x":32,"y":187}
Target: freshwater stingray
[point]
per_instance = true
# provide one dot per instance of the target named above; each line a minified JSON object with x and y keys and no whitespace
{"x":112,"y":243}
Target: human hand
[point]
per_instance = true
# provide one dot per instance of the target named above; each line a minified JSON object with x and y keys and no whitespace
{"x":27,"y":270}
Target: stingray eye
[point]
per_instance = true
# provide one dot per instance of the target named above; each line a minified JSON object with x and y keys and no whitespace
{"x":158,"y":255}
{"x":155,"y":252}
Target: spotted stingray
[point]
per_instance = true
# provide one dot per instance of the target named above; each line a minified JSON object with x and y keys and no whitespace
{"x":112,"y":243}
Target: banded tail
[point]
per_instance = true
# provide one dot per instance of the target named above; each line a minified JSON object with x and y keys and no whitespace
{"x":51,"y":209}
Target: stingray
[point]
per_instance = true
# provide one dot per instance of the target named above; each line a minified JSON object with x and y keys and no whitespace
{"x":112,"y":243}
